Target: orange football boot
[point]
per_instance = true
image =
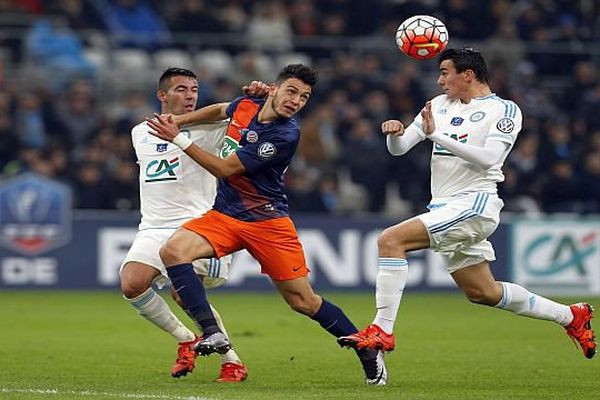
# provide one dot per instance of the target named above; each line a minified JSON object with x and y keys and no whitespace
{"x":580,"y":329}
{"x":372,"y":337}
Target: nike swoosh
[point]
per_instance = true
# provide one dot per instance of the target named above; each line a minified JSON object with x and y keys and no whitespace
{"x":296,"y":268}
{"x":178,"y":289}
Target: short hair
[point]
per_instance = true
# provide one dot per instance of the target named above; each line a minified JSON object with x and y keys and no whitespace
{"x":467,"y":58}
{"x":298,"y":71}
{"x":165,"y":78}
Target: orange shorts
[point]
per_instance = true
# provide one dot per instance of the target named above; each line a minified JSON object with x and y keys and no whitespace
{"x":273,"y":242}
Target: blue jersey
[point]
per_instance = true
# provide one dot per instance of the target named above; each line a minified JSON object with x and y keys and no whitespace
{"x":265,"y":150}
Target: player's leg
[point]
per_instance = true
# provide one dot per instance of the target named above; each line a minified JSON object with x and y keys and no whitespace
{"x":190,"y":243}
{"x":479,"y":285}
{"x":393,"y":244}
{"x":136,"y":285}
{"x":300,"y":296}
{"x":232,"y":367}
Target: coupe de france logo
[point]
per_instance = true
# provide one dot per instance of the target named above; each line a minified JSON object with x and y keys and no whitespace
{"x":267,"y":150}
{"x":35,"y":214}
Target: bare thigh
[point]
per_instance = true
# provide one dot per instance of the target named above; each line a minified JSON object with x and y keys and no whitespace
{"x":184,"y":246}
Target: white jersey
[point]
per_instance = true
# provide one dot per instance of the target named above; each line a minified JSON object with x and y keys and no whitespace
{"x":173,"y":187}
{"x":482,"y":119}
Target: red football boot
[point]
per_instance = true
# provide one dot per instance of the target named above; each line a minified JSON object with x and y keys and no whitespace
{"x":580,"y":329}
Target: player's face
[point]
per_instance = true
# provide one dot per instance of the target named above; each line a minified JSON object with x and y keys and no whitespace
{"x":182,"y":95}
{"x":453,"y":83}
{"x":290,"y":97}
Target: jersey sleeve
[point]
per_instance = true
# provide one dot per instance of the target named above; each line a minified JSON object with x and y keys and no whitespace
{"x":233,"y":105}
{"x":268,"y":152}
{"x":506,"y":124}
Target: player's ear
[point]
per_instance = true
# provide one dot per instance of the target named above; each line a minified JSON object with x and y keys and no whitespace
{"x":272,"y":89}
{"x":161,"y":95}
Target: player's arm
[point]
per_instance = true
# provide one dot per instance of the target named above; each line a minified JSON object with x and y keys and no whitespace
{"x":399,"y":140}
{"x":213,"y":112}
{"x":216,"y":112}
{"x":165,"y":128}
{"x":484,"y":157}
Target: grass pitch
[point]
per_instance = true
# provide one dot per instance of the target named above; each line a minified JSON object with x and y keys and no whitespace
{"x":92,"y":345}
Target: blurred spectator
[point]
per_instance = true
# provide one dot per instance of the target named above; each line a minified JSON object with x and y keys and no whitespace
{"x":560,"y":191}
{"x":123,"y":194}
{"x":195,"y":16}
{"x":133,"y":23}
{"x":54,"y":48}
{"x":269,"y":28}
{"x":30,"y":121}
{"x":367,"y":159}
{"x":590,"y":183}
{"x":79,"y":14}
{"x":78,"y":114}
{"x":10,"y":142}
{"x":90,"y":190}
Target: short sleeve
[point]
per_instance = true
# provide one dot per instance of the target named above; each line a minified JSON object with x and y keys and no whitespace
{"x":507,"y":123}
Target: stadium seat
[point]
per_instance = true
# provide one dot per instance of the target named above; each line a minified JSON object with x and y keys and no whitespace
{"x":128,"y":59}
{"x":216,"y":62}
{"x":98,"y":57}
{"x":167,"y":58}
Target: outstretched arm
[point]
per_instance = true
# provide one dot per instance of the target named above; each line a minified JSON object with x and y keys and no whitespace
{"x":484,"y":157}
{"x":398,"y":140}
{"x":165,"y":128}
{"x":213,"y":112}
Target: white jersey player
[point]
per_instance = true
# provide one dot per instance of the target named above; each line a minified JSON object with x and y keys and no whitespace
{"x":472,"y":131}
{"x":174,"y":189}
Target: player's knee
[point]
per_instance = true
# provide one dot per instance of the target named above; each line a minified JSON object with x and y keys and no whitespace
{"x":170,"y":253}
{"x":481,"y":296}
{"x":132,"y":288}
{"x":389,"y":242}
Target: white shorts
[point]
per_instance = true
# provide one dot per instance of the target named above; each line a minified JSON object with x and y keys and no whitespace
{"x":458,"y":228}
{"x":146,"y":246}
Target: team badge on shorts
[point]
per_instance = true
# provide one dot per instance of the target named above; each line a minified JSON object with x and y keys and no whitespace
{"x":505,"y":125}
{"x":267,"y":150}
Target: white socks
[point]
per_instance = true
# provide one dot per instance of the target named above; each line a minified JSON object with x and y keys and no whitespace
{"x":155,"y":309}
{"x":519,"y":300}
{"x":391,"y":280}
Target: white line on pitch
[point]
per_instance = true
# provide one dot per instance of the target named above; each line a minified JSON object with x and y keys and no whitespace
{"x":93,"y":393}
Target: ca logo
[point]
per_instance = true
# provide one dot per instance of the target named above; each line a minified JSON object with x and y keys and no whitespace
{"x":567,"y":253}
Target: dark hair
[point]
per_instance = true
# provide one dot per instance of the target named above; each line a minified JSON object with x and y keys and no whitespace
{"x":298,"y":71}
{"x":467,"y":58}
{"x":164,"y":81}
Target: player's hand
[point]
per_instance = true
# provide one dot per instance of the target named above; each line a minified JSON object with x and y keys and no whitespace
{"x":392,"y":127}
{"x":428,"y":121}
{"x":163,"y":126}
{"x":256,"y":89}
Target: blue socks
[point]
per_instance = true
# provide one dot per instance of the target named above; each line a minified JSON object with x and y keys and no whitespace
{"x":333,"y":320}
{"x":193,"y":295}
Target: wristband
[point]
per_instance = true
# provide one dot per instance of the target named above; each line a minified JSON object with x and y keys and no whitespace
{"x":182,"y":141}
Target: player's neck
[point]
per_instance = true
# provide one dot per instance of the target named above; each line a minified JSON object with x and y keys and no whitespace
{"x":267,"y":114}
{"x":475,"y":91}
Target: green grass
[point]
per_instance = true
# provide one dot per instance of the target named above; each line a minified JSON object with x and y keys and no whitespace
{"x":92,"y":345}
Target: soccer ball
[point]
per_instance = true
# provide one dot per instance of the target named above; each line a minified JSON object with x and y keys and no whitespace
{"x":422,"y":37}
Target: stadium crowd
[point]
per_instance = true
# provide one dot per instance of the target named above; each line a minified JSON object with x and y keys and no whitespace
{"x":76,"y":75}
